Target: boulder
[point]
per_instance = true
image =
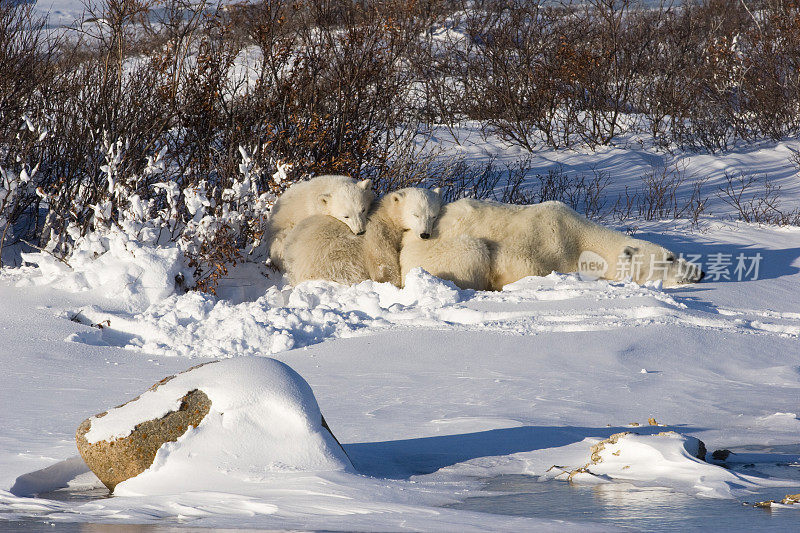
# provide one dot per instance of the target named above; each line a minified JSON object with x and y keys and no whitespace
{"x":117,"y":460}
{"x":123,"y":442}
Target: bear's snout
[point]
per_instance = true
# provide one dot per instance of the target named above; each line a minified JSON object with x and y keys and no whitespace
{"x":424,"y":235}
{"x":362,"y":232}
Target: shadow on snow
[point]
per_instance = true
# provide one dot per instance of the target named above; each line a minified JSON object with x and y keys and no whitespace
{"x":401,"y":459}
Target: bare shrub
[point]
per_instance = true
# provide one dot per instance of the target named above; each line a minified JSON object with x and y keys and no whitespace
{"x":794,"y":159}
{"x":583,"y":193}
{"x":142,"y":97}
{"x":618,"y":38}
{"x":701,"y":75}
{"x":756,"y":199}
{"x":770,"y":58}
{"x":522,"y":71}
{"x":333,"y":87}
{"x":625,"y":205}
{"x":508,"y":81}
{"x":662,"y":195}
{"x":460,"y":179}
{"x":697,"y":203}
{"x":659,"y":193}
{"x":724,"y":72}
{"x":694,"y":78}
{"x":516,"y":183}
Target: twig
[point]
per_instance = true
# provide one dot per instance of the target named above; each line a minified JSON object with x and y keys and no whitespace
{"x":751,"y":16}
{"x":47,"y":252}
{"x":2,"y":241}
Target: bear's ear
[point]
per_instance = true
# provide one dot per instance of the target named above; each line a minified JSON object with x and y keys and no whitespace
{"x":437,"y":191}
{"x":365,"y":184}
{"x":630,"y":251}
{"x":323,"y":198}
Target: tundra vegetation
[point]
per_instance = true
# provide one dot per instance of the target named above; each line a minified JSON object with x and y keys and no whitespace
{"x":181,"y":120}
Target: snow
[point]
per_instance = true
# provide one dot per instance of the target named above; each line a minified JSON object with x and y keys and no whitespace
{"x":258,"y":405}
{"x":112,"y":263}
{"x":156,"y":320}
{"x":429,"y":388}
{"x":60,"y":12}
{"x":432,"y":390}
{"x":663,"y":458}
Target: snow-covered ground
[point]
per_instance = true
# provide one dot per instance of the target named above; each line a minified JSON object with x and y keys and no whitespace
{"x":60,"y":12}
{"x":429,"y":388}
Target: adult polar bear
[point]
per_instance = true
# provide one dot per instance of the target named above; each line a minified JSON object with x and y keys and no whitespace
{"x":486,"y":245}
{"x":340,"y":197}
{"x":322,"y":247}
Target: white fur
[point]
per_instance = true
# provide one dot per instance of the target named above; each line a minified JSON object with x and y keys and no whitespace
{"x":322,"y":247}
{"x":486,"y":245}
{"x":340,"y":197}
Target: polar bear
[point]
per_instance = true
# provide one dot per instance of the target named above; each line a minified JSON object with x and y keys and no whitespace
{"x":322,"y":247}
{"x":340,"y":197}
{"x":463,"y":259}
{"x":486,"y":245}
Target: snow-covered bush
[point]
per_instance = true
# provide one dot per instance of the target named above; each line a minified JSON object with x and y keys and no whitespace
{"x":208,"y":229}
{"x":156,"y":133}
{"x":180,"y":120}
{"x":18,"y":178}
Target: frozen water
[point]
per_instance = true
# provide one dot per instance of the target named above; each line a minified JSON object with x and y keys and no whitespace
{"x":641,"y":508}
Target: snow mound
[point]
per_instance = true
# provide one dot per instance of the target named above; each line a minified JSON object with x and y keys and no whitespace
{"x":200,"y":325}
{"x":264,"y":420}
{"x":115,"y":266}
{"x":665,"y":459}
{"x":138,"y":307}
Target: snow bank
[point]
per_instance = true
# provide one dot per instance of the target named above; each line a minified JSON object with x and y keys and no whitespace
{"x":263,"y":420}
{"x":440,"y":393}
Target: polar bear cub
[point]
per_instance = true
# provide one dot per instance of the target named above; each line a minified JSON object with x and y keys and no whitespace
{"x":322,"y":247}
{"x":340,"y":197}
{"x":487,"y":245}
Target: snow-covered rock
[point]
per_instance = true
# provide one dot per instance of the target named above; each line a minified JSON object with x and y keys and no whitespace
{"x":116,"y":459}
{"x":240,"y":417}
{"x":787,"y":501}
{"x":667,"y":459}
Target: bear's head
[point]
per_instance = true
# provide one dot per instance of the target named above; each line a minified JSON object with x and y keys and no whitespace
{"x":645,"y":261}
{"x":348,"y":202}
{"x":416,"y":210}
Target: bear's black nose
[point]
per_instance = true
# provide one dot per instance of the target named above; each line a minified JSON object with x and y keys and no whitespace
{"x":424,"y":235}
{"x":702,"y":275}
{"x":362,"y":232}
